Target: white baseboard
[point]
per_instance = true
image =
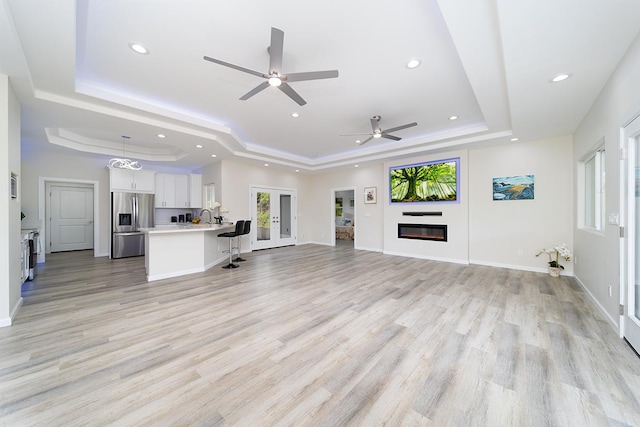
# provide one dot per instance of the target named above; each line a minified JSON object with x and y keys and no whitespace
{"x":188,"y":271}
{"x":593,"y":299}
{"x":14,"y":311}
{"x":363,"y":248}
{"x":451,"y":260}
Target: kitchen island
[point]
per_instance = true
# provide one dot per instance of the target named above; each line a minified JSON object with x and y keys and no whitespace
{"x":176,"y":250}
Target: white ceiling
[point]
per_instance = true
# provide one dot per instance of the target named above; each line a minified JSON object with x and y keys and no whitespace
{"x":488,"y":62}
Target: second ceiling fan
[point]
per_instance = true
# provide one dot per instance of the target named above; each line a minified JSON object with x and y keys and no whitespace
{"x":275,"y":77}
{"x":378,"y":132}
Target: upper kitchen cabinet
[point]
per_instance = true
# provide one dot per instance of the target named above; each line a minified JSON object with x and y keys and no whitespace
{"x":178,"y":191}
{"x":195,"y":185}
{"x":140,"y":181}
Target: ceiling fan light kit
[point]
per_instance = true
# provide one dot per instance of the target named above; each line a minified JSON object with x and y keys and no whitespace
{"x":275,"y":77}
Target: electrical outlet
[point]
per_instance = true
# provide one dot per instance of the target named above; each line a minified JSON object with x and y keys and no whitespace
{"x":575,"y":259}
{"x":520,"y":252}
{"x":610,"y":292}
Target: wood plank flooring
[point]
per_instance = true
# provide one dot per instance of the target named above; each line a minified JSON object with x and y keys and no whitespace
{"x":311,"y":336}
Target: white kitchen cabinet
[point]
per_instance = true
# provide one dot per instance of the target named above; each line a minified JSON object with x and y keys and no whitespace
{"x":172,"y":191}
{"x":195,"y":187}
{"x":141,"y":181}
{"x":181,"y":195}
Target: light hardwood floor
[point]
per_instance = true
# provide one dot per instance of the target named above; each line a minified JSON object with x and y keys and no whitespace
{"x":312,"y":336}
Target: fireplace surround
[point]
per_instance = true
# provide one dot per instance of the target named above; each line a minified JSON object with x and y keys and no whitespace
{"x":437,"y":232}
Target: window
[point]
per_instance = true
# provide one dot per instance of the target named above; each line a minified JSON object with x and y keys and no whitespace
{"x":594,"y":186}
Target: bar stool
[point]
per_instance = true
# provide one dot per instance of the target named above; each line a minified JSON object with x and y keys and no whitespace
{"x":231,"y":234}
{"x":247,"y":230}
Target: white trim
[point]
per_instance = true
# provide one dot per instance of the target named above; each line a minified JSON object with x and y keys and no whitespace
{"x":595,"y":301}
{"x":42,"y":180}
{"x":188,"y":271}
{"x":406,"y":255}
{"x":362,"y":248}
{"x":14,"y":311}
{"x":332,"y":205}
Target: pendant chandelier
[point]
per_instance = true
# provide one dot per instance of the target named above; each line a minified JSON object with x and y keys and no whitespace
{"x":124,"y":163}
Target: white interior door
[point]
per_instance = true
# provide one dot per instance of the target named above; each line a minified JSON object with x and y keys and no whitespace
{"x":630,"y":292}
{"x":274,"y":220}
{"x":71,"y":218}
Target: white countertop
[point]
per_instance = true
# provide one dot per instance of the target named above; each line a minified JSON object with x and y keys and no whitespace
{"x":187,"y":228}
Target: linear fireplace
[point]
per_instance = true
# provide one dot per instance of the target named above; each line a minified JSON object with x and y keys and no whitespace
{"x":437,"y":232}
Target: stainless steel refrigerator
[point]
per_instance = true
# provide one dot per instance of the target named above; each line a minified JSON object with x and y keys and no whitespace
{"x":129,"y":213}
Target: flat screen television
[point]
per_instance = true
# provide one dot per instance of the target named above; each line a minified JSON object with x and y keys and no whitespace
{"x":429,"y":182}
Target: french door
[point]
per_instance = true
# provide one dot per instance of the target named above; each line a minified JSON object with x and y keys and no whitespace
{"x":630,"y":291}
{"x":274,"y":219}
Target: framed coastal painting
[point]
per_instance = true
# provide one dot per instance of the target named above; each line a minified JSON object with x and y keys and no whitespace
{"x":428,"y":182}
{"x":519,"y":187}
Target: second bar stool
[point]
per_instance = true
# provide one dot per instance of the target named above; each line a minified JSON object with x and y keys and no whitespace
{"x":247,"y":230}
{"x":231,"y":234}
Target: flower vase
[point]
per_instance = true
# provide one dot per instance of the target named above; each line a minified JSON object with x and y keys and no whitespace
{"x":554,"y":271}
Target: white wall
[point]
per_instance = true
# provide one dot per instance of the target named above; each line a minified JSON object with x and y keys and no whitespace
{"x":454,"y":215}
{"x":369,"y":218}
{"x":599,"y":253}
{"x":10,"y":237}
{"x":509,"y":233}
{"x":66,"y":166}
{"x":233,"y":182}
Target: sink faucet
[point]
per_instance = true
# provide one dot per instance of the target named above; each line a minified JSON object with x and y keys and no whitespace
{"x":207,"y":211}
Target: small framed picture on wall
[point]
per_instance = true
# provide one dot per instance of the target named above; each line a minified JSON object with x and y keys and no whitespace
{"x":370,"y":195}
{"x":14,"y":186}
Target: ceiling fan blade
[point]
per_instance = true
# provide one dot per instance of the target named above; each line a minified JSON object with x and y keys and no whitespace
{"x":375,"y":125}
{"x":262,"y":86}
{"x":386,"y":135}
{"x":311,"y":75}
{"x":288,"y":90}
{"x":366,"y":140}
{"x":276,"y":50}
{"x":235,"y":67}
{"x":401,"y":127}
{"x":354,"y":134}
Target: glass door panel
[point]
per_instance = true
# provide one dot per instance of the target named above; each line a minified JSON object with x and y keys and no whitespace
{"x":274,"y":211}
{"x":263,"y":215}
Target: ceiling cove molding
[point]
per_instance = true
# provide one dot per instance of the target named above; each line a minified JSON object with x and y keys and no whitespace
{"x":161,"y":124}
{"x":67,"y":139}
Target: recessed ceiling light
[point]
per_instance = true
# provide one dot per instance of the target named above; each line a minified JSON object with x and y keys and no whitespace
{"x":357,"y":141}
{"x":356,"y":166}
{"x":198,"y":146}
{"x":161,"y":135}
{"x":414,"y":63}
{"x":560,"y":77}
{"x":295,"y":115}
{"x":266,"y":164}
{"x":513,"y":139}
{"x":297,"y":170}
{"x":138,"y":48}
{"x":213,"y":155}
{"x":453,"y":118}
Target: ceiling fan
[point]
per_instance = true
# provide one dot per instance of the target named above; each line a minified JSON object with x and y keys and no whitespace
{"x":377,"y":132}
{"x":275,"y":77}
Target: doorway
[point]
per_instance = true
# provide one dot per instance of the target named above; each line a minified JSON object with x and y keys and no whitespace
{"x":275,"y":219}
{"x":70,"y":217}
{"x":343,"y":215}
{"x":44,"y":211}
{"x":630,"y":270}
